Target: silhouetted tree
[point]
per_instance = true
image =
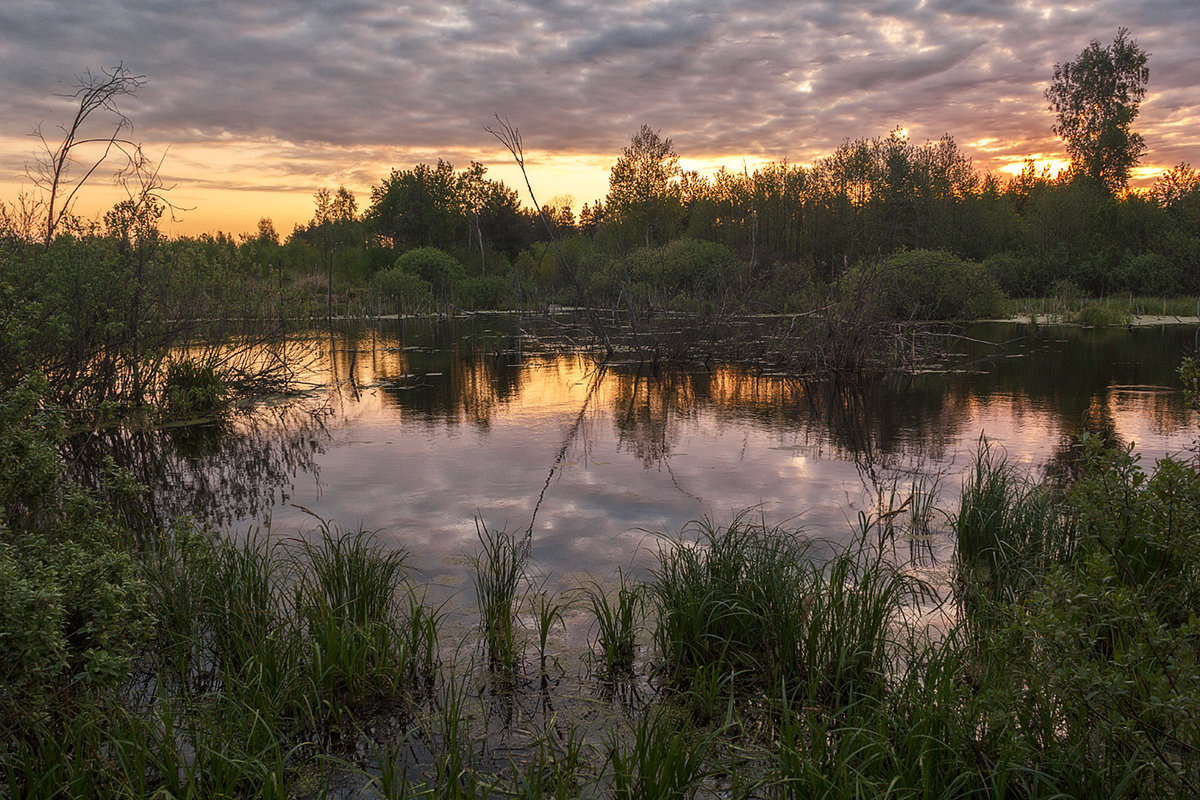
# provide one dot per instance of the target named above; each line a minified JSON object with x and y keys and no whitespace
{"x":643,"y":187}
{"x":334,"y":225}
{"x":1096,"y":98}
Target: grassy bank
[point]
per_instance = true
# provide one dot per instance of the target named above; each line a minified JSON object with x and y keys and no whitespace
{"x":1073,"y":307}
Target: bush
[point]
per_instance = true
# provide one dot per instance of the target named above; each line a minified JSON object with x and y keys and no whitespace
{"x":1099,"y":641}
{"x":1099,"y":315}
{"x":482,"y":292}
{"x":194,"y":390}
{"x":74,"y":610}
{"x":1149,"y":273}
{"x":439,"y":268}
{"x":1017,"y":275}
{"x":402,"y":292}
{"x":923,"y":285}
{"x":687,"y":268}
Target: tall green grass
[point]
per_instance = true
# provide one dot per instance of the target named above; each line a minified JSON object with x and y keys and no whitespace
{"x":754,"y":603}
{"x":618,"y":621}
{"x":1009,"y":530}
{"x":1066,"y":664}
{"x":499,"y":568}
{"x":362,"y":645}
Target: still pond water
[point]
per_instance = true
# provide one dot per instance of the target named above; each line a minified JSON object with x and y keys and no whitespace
{"x":421,"y":429}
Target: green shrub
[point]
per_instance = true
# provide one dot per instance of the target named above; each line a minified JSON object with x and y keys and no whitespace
{"x":75,"y":609}
{"x":1093,"y":651}
{"x":754,"y":605}
{"x":684,"y":268}
{"x":923,"y":285}
{"x":1189,"y":375}
{"x":1099,"y":315}
{"x":191,"y":389}
{"x":438,"y":268}
{"x":1017,"y":275}
{"x":482,"y":292}
{"x":402,"y":292}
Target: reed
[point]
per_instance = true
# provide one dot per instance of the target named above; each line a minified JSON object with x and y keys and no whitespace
{"x":749,"y":601}
{"x":1009,"y":530}
{"x":548,"y":611}
{"x":559,"y":766}
{"x":657,"y":759}
{"x":618,"y":619}
{"x":346,"y":599}
{"x":499,"y":567}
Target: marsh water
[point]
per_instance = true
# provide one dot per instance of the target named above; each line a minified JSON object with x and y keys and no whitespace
{"x":423,"y":430}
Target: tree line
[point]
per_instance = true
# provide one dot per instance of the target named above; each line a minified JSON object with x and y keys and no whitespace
{"x":794,"y":226}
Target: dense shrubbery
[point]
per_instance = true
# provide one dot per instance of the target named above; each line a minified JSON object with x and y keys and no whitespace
{"x":75,"y":608}
{"x":99,"y":319}
{"x":1095,"y":607}
{"x":400,"y":292}
{"x":923,"y":285}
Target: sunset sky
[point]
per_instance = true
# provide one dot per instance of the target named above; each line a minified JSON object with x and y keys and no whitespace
{"x":253,"y":106}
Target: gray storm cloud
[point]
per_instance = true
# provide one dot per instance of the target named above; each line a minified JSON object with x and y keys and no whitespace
{"x":768,"y":79}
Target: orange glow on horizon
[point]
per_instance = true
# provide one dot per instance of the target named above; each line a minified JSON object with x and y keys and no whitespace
{"x":228,"y":186}
{"x":1051,"y":165}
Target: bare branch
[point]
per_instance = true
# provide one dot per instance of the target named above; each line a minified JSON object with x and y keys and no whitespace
{"x":510,"y":137}
{"x":51,"y":172}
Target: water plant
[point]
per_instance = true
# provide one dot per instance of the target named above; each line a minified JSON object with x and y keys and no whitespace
{"x":751,"y":601}
{"x":1008,"y":530}
{"x":499,"y":567}
{"x":346,"y":599}
{"x":618,"y":618}
{"x":657,"y":759}
{"x":548,"y":611}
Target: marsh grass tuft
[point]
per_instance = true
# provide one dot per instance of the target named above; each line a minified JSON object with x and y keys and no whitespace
{"x":618,"y":617}
{"x":499,"y":568}
{"x":749,"y":601}
{"x":1009,"y":530}
{"x":659,"y":759}
{"x":347,"y":602}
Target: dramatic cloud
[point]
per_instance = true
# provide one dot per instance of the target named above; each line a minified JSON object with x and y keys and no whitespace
{"x":291,"y":94}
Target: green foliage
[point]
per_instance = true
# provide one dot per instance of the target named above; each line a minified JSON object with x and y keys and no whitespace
{"x":1008,"y":532}
{"x":499,"y":569}
{"x":1096,"y":98}
{"x":402,"y":292}
{"x":439,"y":269}
{"x":1100,"y":638}
{"x":1098,"y":315}
{"x":683,"y":275}
{"x":347,"y":601}
{"x":618,"y":620}
{"x":1017,"y":275}
{"x":643,"y":189}
{"x":482,"y":292}
{"x":923,"y":285}
{"x":191,"y":389}
{"x":1189,"y":376}
{"x":752,"y":603}
{"x":75,"y":610}
{"x":661,"y":761}
{"x":440,"y":207}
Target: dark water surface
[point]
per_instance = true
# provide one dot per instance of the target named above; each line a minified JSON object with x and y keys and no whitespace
{"x":423,"y":428}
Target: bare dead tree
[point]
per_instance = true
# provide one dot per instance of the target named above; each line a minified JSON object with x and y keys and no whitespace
{"x":510,"y":137}
{"x":61,"y":171}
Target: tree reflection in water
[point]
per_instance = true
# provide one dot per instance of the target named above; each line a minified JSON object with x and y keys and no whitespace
{"x":543,"y":423}
{"x":215,"y":472}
